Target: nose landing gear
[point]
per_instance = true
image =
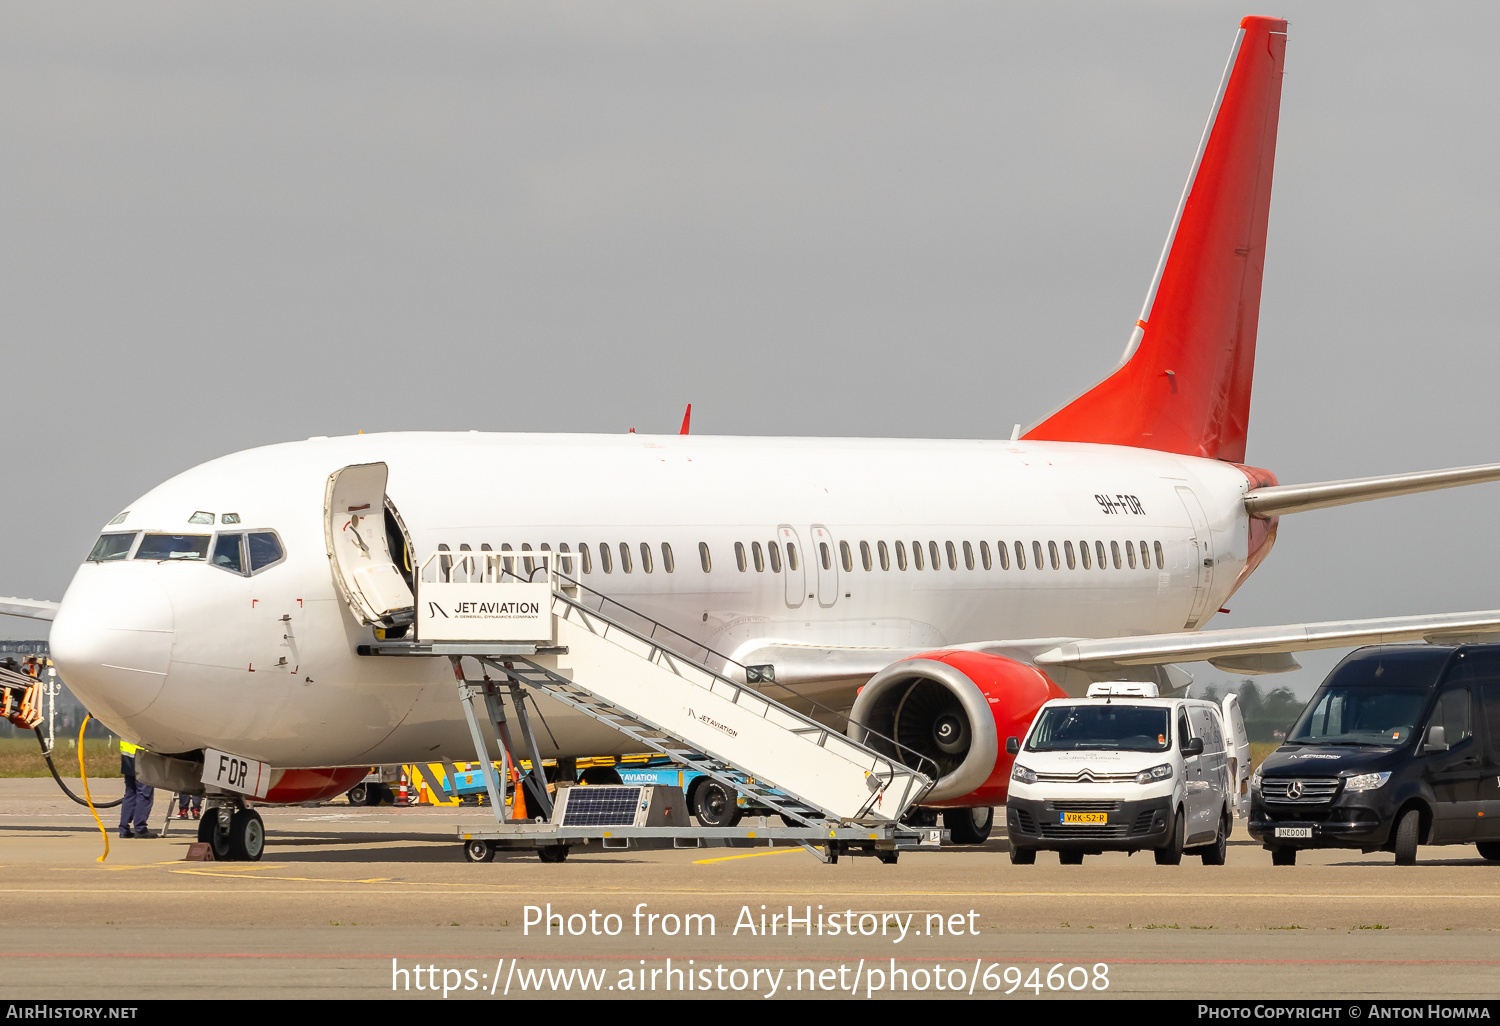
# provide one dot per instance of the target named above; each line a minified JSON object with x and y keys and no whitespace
{"x":235,"y":833}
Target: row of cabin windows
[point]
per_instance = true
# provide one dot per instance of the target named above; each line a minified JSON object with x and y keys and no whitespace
{"x":1085,"y":555}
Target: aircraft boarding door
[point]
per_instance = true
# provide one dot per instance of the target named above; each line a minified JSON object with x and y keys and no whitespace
{"x":358,"y":549}
{"x":825,"y":559}
{"x":1237,"y":748}
{"x":791,"y":557}
{"x":1203,"y":558}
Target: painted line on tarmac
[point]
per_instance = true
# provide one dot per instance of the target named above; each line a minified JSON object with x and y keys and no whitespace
{"x":751,"y":855}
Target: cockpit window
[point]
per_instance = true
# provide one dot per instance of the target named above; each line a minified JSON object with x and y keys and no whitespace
{"x":111,"y":546}
{"x":201,"y":517}
{"x":120,"y":519}
{"x":265,"y":549}
{"x":230,"y":518}
{"x":227,"y":553}
{"x":173,"y":546}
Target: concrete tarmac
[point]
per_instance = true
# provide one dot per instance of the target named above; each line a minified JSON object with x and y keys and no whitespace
{"x":370,"y":903}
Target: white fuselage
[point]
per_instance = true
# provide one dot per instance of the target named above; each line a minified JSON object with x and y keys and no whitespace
{"x":180,"y":655}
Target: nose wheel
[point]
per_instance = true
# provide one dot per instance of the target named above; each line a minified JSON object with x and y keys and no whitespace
{"x":235,"y":835}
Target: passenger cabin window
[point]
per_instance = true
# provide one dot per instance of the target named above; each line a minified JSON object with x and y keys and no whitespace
{"x":1083,"y":554}
{"x":703,"y":557}
{"x":625,"y":566}
{"x":916,"y":555}
{"x":587,"y":557}
{"x":953,"y":556}
{"x":646,"y":566}
{"x":1052,"y":552}
{"x":1099,"y":551}
{"x":791,"y":555}
{"x":1161,"y":564}
{"x":1145,"y":557}
{"x":529,"y":564}
{"x":667,"y":562}
{"x":739,"y":557}
{"x":566,"y":561}
{"x":774,"y":551}
{"x":885,"y":555}
{"x":1114,"y":550}
{"x":758,"y":554}
{"x":823,"y":556}
{"x":932,"y":550}
{"x":984,"y":555}
{"x":111,"y":546}
{"x":1020,"y":556}
{"x":1068,"y":553}
{"x":1003,"y":551}
{"x":173,"y":546}
{"x":606,"y":561}
{"x":864,"y":556}
{"x":847,"y":557}
{"x":228,"y":554}
{"x":1036,"y":555}
{"x":1130,"y":554}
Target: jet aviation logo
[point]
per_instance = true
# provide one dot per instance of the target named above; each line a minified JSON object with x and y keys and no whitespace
{"x":465,"y":609}
{"x":433,"y":609}
{"x":710,"y":721}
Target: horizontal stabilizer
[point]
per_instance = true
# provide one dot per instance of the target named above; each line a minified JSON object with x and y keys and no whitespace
{"x":1234,"y":645}
{"x":36,"y":609}
{"x":1278,"y":499}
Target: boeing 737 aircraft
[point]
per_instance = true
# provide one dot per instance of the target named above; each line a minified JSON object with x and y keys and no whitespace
{"x":952,"y":586}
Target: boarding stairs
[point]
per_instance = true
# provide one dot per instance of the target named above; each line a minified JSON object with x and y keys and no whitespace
{"x":534,"y":630}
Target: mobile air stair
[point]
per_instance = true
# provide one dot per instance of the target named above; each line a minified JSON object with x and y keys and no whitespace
{"x":532,"y":629}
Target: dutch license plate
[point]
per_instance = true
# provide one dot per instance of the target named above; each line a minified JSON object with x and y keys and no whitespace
{"x":1294,"y":832}
{"x":1085,"y":817}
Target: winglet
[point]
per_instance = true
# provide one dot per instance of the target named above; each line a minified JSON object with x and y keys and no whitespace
{"x":685,"y":418}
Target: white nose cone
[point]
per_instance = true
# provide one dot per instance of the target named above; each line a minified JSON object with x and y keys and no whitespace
{"x":112,"y":639}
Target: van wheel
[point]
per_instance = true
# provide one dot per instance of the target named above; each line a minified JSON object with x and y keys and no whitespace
{"x":1408,"y":833}
{"x":969,"y":826}
{"x":1489,"y":850}
{"x":1214,"y":854}
{"x":1283,"y":856}
{"x":1023,"y":856}
{"x":1069,"y":858}
{"x":1171,"y":855}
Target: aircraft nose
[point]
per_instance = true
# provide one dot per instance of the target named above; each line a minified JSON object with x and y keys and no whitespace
{"x":112,"y":639}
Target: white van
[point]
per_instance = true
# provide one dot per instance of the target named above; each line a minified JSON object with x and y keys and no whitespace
{"x":1124,"y":770}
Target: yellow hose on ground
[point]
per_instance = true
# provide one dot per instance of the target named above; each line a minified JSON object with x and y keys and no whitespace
{"x":85,"y":775}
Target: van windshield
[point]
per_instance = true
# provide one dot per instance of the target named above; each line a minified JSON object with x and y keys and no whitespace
{"x":1131,"y":728}
{"x":1360,"y":715}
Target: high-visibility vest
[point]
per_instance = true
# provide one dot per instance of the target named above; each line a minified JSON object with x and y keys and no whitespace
{"x":126,"y":748}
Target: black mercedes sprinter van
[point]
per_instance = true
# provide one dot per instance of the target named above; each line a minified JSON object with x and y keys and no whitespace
{"x":1400,"y":746}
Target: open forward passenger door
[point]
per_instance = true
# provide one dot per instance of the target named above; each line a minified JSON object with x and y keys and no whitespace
{"x":358,"y":547}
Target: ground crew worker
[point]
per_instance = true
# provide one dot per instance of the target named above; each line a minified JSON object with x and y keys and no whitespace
{"x":136,"y":807}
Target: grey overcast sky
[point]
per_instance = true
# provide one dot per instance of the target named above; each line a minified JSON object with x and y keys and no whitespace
{"x":228,"y":224}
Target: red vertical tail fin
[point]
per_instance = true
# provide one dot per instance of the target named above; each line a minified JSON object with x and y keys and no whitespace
{"x":1184,"y":383}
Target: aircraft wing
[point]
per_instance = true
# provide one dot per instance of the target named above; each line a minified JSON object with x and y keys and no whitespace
{"x":36,"y":609}
{"x":1267,"y":649}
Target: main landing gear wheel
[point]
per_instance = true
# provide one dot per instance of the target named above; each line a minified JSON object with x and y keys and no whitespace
{"x":552,"y":852}
{"x":1171,"y":853}
{"x":1068,"y":858}
{"x":359,"y":794}
{"x":1023,"y":856}
{"x":1408,"y":834}
{"x":715,"y":805}
{"x":1283,"y":856}
{"x":247,"y":836}
{"x":1489,"y":850}
{"x":478,"y":851}
{"x":969,"y":826}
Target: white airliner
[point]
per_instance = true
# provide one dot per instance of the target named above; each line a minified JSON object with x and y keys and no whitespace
{"x":970,"y":579}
